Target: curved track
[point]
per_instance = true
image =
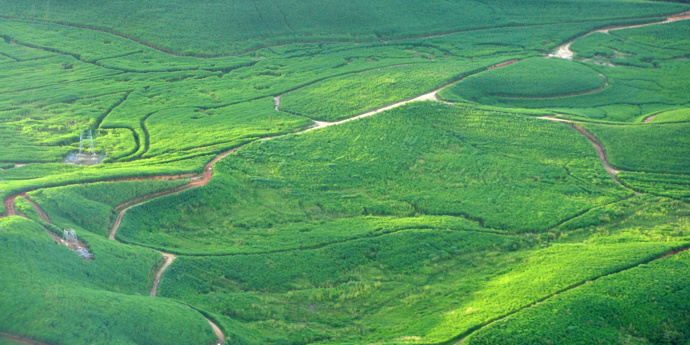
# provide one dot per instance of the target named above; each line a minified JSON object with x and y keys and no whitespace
{"x":169,"y":258}
{"x":563,"y":51}
{"x":598,"y":146}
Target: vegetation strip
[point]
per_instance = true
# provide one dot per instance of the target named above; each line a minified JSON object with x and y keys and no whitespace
{"x":169,"y":258}
{"x":264,"y":46}
{"x":461,"y":338}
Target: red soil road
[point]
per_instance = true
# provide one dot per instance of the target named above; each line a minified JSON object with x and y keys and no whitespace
{"x":601,"y":150}
{"x":9,"y":206}
{"x":650,"y":118}
{"x":218,"y":332}
{"x":503,"y":64}
{"x":38,"y":209}
{"x":21,"y":340}
{"x":44,"y":217}
{"x":9,"y":201}
{"x":208,"y":169}
{"x":169,"y":258}
{"x":198,"y":182}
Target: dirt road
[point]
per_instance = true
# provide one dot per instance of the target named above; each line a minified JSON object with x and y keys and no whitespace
{"x":21,"y":340}
{"x":564,"y":52}
{"x":169,"y":258}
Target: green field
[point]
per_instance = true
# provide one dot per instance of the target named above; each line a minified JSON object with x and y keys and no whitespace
{"x":466,"y":217}
{"x":533,"y":78}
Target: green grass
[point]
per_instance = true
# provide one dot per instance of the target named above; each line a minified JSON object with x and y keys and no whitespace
{"x":417,"y":286}
{"x":533,"y":78}
{"x":673,"y":186}
{"x":502,"y":171}
{"x":346,"y":96}
{"x":413,"y":226}
{"x":644,"y":79}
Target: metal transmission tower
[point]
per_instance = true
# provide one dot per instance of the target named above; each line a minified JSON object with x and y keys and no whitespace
{"x":1,"y":179}
{"x":86,"y":134}
{"x":81,"y":142}
{"x":70,"y":236}
{"x":93,"y":152}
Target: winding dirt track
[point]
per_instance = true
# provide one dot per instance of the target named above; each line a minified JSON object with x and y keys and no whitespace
{"x":38,"y":209}
{"x":564,"y":51}
{"x":9,"y":206}
{"x":208,"y":169}
{"x":601,"y":150}
{"x":169,"y":258}
{"x":650,"y":118}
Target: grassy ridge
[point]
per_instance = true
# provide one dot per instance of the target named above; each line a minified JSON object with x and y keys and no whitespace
{"x":422,"y":159}
{"x":643,"y":82}
{"x":346,"y":96}
{"x":413,"y":226}
{"x":416,"y":286}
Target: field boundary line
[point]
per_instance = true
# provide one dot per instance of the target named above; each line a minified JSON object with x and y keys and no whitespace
{"x":459,"y":339}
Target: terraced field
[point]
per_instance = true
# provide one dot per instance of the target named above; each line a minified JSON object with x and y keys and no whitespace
{"x":267,"y":177}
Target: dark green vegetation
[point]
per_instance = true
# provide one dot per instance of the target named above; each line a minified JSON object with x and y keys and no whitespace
{"x":426,"y":224}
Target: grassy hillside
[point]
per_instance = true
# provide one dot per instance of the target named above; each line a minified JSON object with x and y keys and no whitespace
{"x":429,"y":223}
{"x":507,"y":173}
{"x":48,"y":289}
{"x":217,"y":27}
